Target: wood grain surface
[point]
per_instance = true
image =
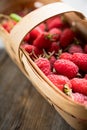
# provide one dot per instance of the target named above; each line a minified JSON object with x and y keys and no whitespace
{"x":21,"y":106}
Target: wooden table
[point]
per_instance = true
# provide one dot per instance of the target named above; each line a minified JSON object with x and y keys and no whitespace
{"x":21,"y":106}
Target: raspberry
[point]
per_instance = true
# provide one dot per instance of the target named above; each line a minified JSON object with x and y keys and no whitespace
{"x":80,"y":59}
{"x":42,"y":26}
{"x":79,"y":85}
{"x":27,"y":37}
{"x":54,"y":47}
{"x":66,"y":67}
{"x":35,"y":32}
{"x":8,"y":25}
{"x":54,"y":22}
{"x":65,"y":55}
{"x":56,"y":33}
{"x":67,"y":37}
{"x":44,"y":65}
{"x":80,"y":98}
{"x":32,"y":50}
{"x":75,"y":49}
{"x":43,"y":41}
{"x":59,"y":81}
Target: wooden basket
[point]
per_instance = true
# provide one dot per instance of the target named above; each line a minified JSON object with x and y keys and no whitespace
{"x":74,"y":113}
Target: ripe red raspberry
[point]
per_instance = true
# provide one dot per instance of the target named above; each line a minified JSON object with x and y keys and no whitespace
{"x":54,"y":22}
{"x":80,"y":98}
{"x":8,"y":25}
{"x":67,"y":37}
{"x":56,"y":33}
{"x":27,"y":37}
{"x":79,"y":85}
{"x":60,"y":81}
{"x":66,"y":67}
{"x":32,"y":50}
{"x":80,"y":59}
{"x":65,"y":55}
{"x":43,"y":41}
{"x":35,"y":33}
{"x":54,"y":47}
{"x":44,"y":65}
{"x":42,"y":26}
{"x":75,"y":49}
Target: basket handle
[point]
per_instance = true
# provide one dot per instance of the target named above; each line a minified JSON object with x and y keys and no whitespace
{"x":34,"y":18}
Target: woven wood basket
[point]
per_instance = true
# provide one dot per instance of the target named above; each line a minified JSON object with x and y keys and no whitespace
{"x":74,"y":113}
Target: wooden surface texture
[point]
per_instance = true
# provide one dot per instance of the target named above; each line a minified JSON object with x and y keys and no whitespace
{"x":21,"y":106}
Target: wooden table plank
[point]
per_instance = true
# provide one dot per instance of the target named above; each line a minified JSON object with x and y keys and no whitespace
{"x":21,"y":106}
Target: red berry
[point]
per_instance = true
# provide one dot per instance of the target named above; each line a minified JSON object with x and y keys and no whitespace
{"x":54,"y":47}
{"x":67,"y":37}
{"x":80,"y":98}
{"x":79,"y":85}
{"x":44,"y":65}
{"x":75,"y":49}
{"x":66,"y":67}
{"x":59,"y":81}
{"x":35,"y":33}
{"x":54,"y":22}
{"x":66,"y":55}
{"x":80,"y":59}
{"x":32,"y":50}
{"x":27,"y":37}
{"x":56,"y":33}
{"x":42,"y":26}
{"x":8,"y":25}
{"x":43,"y":41}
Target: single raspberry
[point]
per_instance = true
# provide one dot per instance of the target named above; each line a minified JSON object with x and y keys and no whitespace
{"x":54,"y":22}
{"x":42,"y":26}
{"x":56,"y":33}
{"x":75,"y":49}
{"x":43,"y":41}
{"x":32,"y":50}
{"x":80,"y":98}
{"x":66,"y":67}
{"x":65,"y":55}
{"x":27,"y":37}
{"x":67,"y":37}
{"x":35,"y":33}
{"x":54,"y":47}
{"x":44,"y":65}
{"x":60,"y":81}
{"x":80,"y":59}
{"x":79,"y":85}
